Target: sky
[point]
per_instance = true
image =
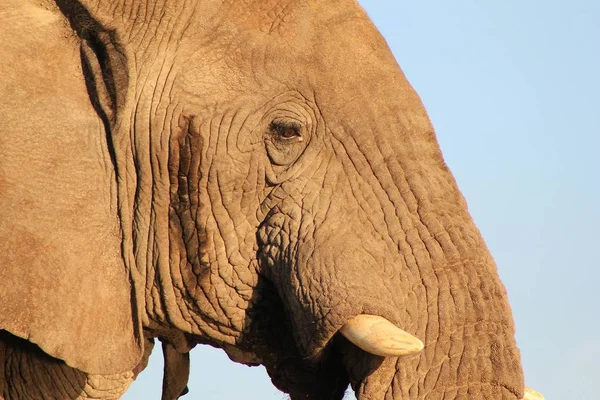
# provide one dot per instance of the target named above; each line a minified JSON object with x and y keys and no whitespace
{"x":512,"y":88}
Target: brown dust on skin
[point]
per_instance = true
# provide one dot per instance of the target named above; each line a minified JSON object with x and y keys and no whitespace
{"x":246,"y":174}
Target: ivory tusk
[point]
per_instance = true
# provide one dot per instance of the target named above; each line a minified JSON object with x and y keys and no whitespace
{"x":531,"y":394}
{"x":377,"y":335}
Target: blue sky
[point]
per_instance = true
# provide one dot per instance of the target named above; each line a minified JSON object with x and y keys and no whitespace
{"x":513,"y":91}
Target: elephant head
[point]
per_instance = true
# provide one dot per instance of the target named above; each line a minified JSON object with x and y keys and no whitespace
{"x":254,"y":175}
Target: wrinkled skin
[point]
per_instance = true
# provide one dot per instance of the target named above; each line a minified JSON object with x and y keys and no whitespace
{"x":245,"y":174}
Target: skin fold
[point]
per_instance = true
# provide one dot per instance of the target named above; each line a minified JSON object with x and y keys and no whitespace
{"x":245,"y":174}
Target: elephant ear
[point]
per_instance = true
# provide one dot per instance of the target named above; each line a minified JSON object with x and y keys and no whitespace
{"x":63,"y":282}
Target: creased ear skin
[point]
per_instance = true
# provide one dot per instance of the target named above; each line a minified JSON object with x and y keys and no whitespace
{"x":63,"y":282}
{"x":104,"y":66}
{"x":98,"y":78}
{"x":105,"y":71}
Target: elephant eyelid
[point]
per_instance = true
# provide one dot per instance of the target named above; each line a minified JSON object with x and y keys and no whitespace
{"x":286,"y":131}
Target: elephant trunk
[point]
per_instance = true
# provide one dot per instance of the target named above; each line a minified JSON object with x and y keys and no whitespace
{"x":469,"y":351}
{"x":401,"y":246}
{"x":434,"y":280}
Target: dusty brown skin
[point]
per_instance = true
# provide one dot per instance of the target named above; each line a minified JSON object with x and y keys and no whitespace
{"x":245,"y":174}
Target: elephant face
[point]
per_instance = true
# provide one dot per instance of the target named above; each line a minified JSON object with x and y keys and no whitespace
{"x":306,"y":187}
{"x":277,"y":176}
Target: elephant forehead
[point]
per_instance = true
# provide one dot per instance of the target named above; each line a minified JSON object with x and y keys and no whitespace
{"x":242,"y":43}
{"x":284,"y":16}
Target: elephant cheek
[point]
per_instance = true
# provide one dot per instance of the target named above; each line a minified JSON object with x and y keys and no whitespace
{"x":329,"y":279}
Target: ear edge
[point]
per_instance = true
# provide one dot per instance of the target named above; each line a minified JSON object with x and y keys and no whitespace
{"x":104,"y":64}
{"x":98,"y":80}
{"x":111,"y":367}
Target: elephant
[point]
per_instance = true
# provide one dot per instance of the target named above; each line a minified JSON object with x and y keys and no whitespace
{"x":254,"y":175}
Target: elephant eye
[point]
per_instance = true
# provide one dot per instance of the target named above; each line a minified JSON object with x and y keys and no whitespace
{"x":286,"y":131}
{"x":285,"y":140}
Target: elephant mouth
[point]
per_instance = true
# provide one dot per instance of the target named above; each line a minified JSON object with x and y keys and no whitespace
{"x":271,"y":341}
{"x":341,"y":364}
{"x":351,"y":355}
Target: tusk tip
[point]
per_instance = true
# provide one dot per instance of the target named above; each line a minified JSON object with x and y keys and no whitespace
{"x":531,"y":394}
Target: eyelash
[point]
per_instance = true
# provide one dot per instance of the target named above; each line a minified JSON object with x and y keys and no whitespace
{"x":283,"y":130}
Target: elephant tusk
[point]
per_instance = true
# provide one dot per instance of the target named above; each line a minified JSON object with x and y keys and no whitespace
{"x":531,"y":394}
{"x":377,"y":335}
